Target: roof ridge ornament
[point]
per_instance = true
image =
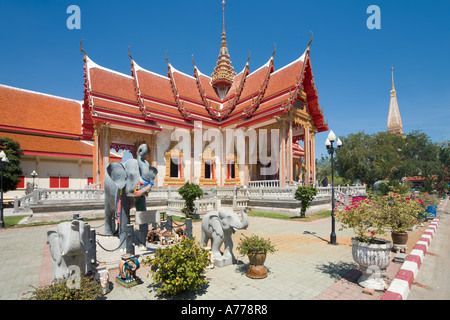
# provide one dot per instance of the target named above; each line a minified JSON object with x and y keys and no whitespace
{"x":82,"y":51}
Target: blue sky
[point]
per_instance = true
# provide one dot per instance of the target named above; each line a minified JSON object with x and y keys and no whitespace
{"x":351,"y":63}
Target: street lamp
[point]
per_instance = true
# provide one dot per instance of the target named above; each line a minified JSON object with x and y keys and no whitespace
{"x":331,"y":150}
{"x":3,"y":160}
{"x":34,"y":175}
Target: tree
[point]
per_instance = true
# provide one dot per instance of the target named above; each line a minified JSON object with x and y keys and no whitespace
{"x":306,"y":195}
{"x":11,"y":170}
{"x":385,"y":155}
{"x":189,"y":192}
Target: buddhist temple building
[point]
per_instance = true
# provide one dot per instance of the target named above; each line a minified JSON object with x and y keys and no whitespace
{"x":174,"y":111}
{"x":229,"y":128}
{"x":394,"y":122}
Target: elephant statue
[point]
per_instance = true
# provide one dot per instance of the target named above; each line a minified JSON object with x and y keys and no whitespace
{"x":68,"y":243}
{"x":127,"y":268}
{"x":126,"y":184}
{"x":218,"y":226}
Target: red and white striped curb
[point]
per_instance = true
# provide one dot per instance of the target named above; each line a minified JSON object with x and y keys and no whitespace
{"x":401,"y":285}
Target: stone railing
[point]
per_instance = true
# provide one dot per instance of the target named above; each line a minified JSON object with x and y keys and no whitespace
{"x":43,"y":196}
{"x":201,"y":206}
{"x":239,"y":194}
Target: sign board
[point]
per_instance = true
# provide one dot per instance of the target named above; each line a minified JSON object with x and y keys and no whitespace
{"x":149,"y":216}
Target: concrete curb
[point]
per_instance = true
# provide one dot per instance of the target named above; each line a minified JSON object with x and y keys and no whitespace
{"x":401,"y":284}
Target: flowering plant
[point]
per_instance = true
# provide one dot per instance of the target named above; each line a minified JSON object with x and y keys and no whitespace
{"x":362,"y":218}
{"x":255,"y":244}
{"x":426,"y":200}
{"x":399,"y":210}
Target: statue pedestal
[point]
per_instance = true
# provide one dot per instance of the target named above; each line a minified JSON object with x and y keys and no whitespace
{"x":222,"y":262}
{"x":127,"y":283}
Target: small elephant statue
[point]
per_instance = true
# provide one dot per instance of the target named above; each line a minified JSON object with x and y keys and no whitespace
{"x":218,"y":226}
{"x":127,"y":268}
{"x":68,"y":244}
{"x":126,"y":184}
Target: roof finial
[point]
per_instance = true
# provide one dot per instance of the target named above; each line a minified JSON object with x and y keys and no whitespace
{"x":82,"y":51}
{"x":129,"y":55}
{"x":223,"y":75}
{"x":310,"y":41}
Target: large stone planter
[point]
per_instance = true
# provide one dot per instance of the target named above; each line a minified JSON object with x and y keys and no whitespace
{"x":373,"y":259}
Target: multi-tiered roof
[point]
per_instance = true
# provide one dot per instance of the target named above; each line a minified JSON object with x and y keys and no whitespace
{"x":146,"y":100}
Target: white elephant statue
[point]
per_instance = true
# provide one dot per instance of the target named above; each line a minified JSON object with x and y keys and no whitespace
{"x":68,"y":243}
{"x":218,"y":226}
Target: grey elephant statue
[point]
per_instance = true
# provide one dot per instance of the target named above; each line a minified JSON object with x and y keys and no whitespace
{"x":68,"y":244}
{"x":126,"y":184}
{"x":218,"y":226}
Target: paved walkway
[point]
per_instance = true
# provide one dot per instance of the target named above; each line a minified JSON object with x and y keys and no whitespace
{"x":305,"y":267}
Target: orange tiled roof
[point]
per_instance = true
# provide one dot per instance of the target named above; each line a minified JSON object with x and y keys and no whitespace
{"x":180,"y":99}
{"x":40,"y":113}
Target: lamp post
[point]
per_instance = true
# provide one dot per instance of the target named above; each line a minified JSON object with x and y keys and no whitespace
{"x":34,"y":175}
{"x":331,"y":150}
{"x":3,"y":160}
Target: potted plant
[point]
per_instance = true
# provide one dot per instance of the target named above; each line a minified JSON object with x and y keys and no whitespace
{"x":372,"y":254}
{"x":256,"y":248}
{"x":306,"y":195}
{"x":400,"y":212}
{"x":429,"y":204}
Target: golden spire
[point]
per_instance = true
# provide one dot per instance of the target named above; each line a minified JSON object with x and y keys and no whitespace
{"x":394,"y":123}
{"x":223,"y":75}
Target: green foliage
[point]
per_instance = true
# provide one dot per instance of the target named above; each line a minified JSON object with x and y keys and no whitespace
{"x":189,"y":192}
{"x":11,"y":170}
{"x":179,"y":267}
{"x":306,"y":195}
{"x":90,"y":289}
{"x":384,"y":155}
{"x":399,"y":211}
{"x":255,"y":244}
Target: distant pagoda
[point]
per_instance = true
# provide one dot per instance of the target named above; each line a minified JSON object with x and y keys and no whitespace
{"x":394,"y":122}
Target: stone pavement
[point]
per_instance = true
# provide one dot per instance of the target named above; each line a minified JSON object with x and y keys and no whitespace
{"x":305,"y":267}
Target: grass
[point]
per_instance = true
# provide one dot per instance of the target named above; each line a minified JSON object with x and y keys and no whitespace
{"x":309,"y":217}
{"x":12,"y":222}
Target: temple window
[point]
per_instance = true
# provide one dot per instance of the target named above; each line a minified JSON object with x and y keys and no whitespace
{"x":208,"y":176}
{"x":174,"y":166}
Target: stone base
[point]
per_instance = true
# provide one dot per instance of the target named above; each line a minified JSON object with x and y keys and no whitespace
{"x":374,"y":282}
{"x":256,"y":272}
{"x":127,"y":284}
{"x":222,"y":262}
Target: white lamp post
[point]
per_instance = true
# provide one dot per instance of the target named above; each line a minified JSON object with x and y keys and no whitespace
{"x":3,"y":160}
{"x":331,"y":150}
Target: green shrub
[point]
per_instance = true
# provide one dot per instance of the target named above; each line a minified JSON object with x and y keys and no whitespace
{"x":89,"y":289}
{"x":179,"y":267}
{"x":306,"y":195}
{"x":189,"y":192}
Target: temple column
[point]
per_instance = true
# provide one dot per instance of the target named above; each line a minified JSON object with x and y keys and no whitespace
{"x":101,"y":153}
{"x":313,"y":156}
{"x":291,"y":164}
{"x":307,"y":154}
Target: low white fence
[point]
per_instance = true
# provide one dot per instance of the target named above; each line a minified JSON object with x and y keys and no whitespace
{"x":213,"y":195}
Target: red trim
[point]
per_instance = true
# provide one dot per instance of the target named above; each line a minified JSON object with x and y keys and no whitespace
{"x":106,"y":97}
{"x":53,"y":133}
{"x":129,"y":124}
{"x":64,"y":155}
